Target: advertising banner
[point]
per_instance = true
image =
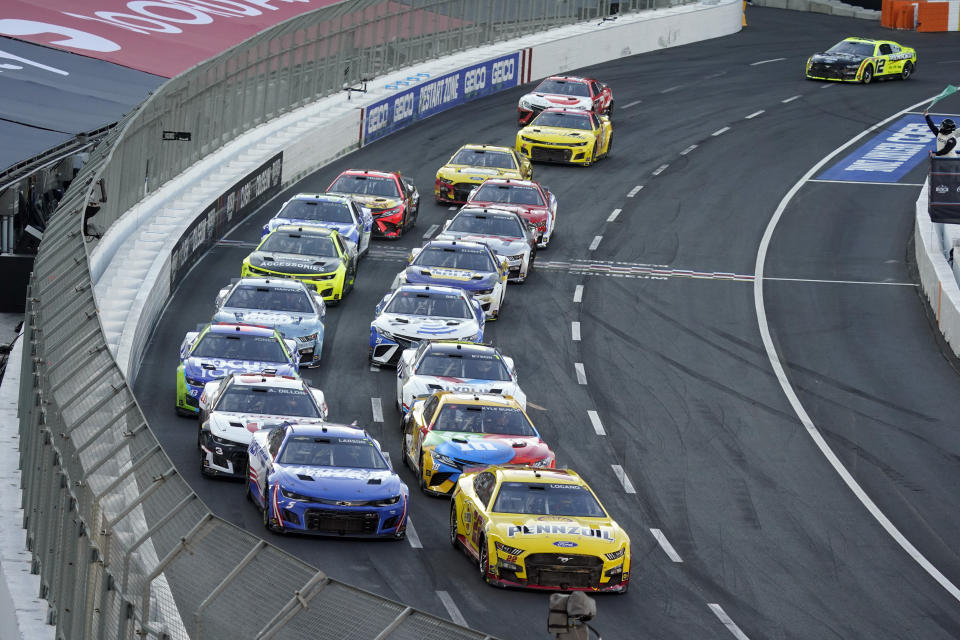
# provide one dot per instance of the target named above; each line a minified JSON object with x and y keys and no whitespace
{"x":433,"y":95}
{"x":888,"y":156}
{"x":245,"y":196}
{"x":944,"y":194}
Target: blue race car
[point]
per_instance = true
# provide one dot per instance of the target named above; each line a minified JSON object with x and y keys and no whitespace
{"x":340,"y":212}
{"x":289,"y":306}
{"x":414,"y":313}
{"x":325,"y":479}
{"x":470,"y":266}
{"x":219,"y":349}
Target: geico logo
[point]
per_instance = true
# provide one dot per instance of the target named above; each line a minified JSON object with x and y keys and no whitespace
{"x":502,"y":71}
{"x":378,"y":118}
{"x":403,"y":107}
{"x":475,"y":79}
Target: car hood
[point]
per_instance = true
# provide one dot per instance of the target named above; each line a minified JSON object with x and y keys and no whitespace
{"x":207,"y":369}
{"x":338,"y":483}
{"x":546,"y":533}
{"x":240,"y":427}
{"x":556,"y":133}
{"x":462,"y":278}
{"x":289,"y":324}
{"x":838,"y":58}
{"x":476,"y":174}
{"x":429,"y":384}
{"x":524,"y":210}
{"x":500,"y":245}
{"x":483,"y":449}
{"x":292,"y":262}
{"x":427,"y":328}
{"x":376,"y":203}
{"x":547,"y":100}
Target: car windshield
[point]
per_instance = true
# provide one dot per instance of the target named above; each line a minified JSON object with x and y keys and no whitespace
{"x":543,"y":499}
{"x":416,"y":303}
{"x":508,"y":194}
{"x":319,"y":210}
{"x":853,"y":48}
{"x":269,"y":299}
{"x":563,"y":88}
{"x":271,"y":401}
{"x":366,"y":185}
{"x":349,"y":453}
{"x":470,"y":418}
{"x":463,"y":364}
{"x":299,"y":244}
{"x":488,"y":224}
{"x":563,"y":120}
{"x":484,"y":158}
{"x":239,"y":346}
{"x":455,"y":258}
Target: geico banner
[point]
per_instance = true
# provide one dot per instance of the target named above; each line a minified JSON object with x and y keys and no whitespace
{"x":439,"y":94}
{"x":256,"y":188}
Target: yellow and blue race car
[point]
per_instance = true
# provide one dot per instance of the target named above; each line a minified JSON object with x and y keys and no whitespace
{"x":317,"y":256}
{"x":474,"y":163}
{"x":573,"y":136}
{"x":539,"y":529}
{"x":862,"y":60}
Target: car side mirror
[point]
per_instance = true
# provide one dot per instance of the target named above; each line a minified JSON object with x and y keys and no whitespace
{"x":321,"y":305}
{"x":222,"y":296}
{"x":292,"y":348}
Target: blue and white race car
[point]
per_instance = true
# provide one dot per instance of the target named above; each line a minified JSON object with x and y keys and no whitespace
{"x":219,"y":349}
{"x":449,"y":365}
{"x":325,"y":479}
{"x":340,"y":212}
{"x":470,"y":266}
{"x":413,"y":313}
{"x":289,"y":306}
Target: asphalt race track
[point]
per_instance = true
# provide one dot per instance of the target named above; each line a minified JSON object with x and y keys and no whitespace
{"x":762,"y":538}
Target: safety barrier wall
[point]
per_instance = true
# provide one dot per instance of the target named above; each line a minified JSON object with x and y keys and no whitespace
{"x":123,"y":546}
{"x":932,"y":245}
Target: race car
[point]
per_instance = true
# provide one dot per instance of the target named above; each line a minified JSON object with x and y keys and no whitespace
{"x":535,"y":203}
{"x":288,"y":306}
{"x":448,"y":433}
{"x":316,"y":256}
{"x":327,"y":479}
{"x":413,"y":313}
{"x":565,"y":91}
{"x":353,"y":222}
{"x":450,"y":365}
{"x":392,"y":199}
{"x":571,"y":136}
{"x":510,"y":237}
{"x":470,"y":266}
{"x":862,"y":60}
{"x":219,"y":349}
{"x":538,"y":529}
{"x":234,"y":408}
{"x":474,"y":163}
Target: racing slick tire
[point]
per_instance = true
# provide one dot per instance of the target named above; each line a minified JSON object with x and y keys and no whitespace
{"x":867,"y":74}
{"x":609,"y":112}
{"x":593,"y":156}
{"x":420,"y":479}
{"x":609,"y":147}
{"x":907,"y":71}
{"x":454,"y":540}
{"x":482,"y":560}
{"x":269,"y":526}
{"x":247,"y":494}
{"x":183,"y":413}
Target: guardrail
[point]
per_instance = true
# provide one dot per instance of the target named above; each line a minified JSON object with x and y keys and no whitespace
{"x":123,"y":546}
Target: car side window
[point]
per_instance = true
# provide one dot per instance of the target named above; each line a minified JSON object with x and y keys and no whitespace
{"x":594,"y":120}
{"x":894,"y":48}
{"x":429,"y":408}
{"x":483,"y":487}
{"x":885,"y":49}
{"x":276,"y":438}
{"x":595,"y":87}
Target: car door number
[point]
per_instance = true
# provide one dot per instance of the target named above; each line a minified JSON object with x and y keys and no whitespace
{"x":880,"y":64}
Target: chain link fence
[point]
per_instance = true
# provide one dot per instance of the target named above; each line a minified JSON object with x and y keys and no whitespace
{"x":124,"y":547}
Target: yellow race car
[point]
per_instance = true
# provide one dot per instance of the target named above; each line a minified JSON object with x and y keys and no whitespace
{"x":572,"y":136}
{"x":319,"y":257}
{"x":539,"y":529}
{"x":474,"y":163}
{"x":862,"y":60}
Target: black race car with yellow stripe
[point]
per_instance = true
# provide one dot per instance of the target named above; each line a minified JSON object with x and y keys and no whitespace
{"x":862,"y":60}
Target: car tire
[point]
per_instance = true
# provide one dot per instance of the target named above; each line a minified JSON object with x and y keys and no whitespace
{"x":609,"y":113}
{"x":867,"y":74}
{"x":452,"y":533}
{"x":420,"y":479}
{"x":266,"y":508}
{"x":907,"y":71}
{"x":593,"y":156}
{"x":203,"y":469}
{"x":609,"y":146}
{"x":183,"y":413}
{"x":248,"y":494}
{"x":483,"y":561}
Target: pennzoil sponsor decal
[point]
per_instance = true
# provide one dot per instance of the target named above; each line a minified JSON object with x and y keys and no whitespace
{"x":558,"y":528}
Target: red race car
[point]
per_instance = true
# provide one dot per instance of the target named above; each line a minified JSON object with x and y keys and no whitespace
{"x":392,"y":199}
{"x":565,"y":91}
{"x":535,"y":204}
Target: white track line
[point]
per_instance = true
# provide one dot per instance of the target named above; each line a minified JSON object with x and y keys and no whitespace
{"x":754,"y":64}
{"x":374,"y":367}
{"x":595,"y":421}
{"x":826,"y":86}
{"x":886,"y":184}
{"x":575,"y":331}
{"x":595,"y":243}
{"x":790,"y":99}
{"x":754,"y":115}
{"x":581,"y":374}
{"x":613,"y":216}
{"x":666,"y":546}
{"x":727,"y":622}
{"x":631,"y":104}
{"x":430,"y":231}
{"x":688,"y":149}
{"x":451,"y":608}
{"x":377,"y":409}
{"x":889,"y":284}
{"x":412,"y":536}
{"x":622,"y":477}
{"x":635,"y":191}
{"x":578,"y":293}
{"x":791,"y":394}
{"x":660,"y":169}
{"x":669,"y":89}
{"x":720,"y":132}
{"x":452,"y":208}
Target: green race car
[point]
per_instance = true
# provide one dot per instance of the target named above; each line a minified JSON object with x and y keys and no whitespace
{"x":862,"y":60}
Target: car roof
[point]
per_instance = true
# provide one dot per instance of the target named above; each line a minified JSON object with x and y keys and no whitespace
{"x":248,"y":329}
{"x":322,"y":197}
{"x":456,"y":346}
{"x":567,"y":110}
{"x":267,"y":379}
{"x":511,"y":473}
{"x":329,"y":429}
{"x":485,"y":147}
{"x":431,"y":288}
{"x":569,"y":79}
{"x":306,"y":230}
{"x":511,"y":182}
{"x":370,"y":172}
{"x":475,"y":209}
{"x":273,"y":283}
{"x":456,"y":244}
{"x":477,"y":399}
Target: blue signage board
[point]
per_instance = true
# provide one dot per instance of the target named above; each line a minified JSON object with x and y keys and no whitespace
{"x":439,"y":94}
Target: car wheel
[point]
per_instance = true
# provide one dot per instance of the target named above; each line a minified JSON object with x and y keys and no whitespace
{"x":454,"y":540}
{"x":203,"y":467}
{"x":183,"y":413}
{"x":420,"y":479}
{"x":610,"y":111}
{"x":593,"y":156}
{"x":907,"y":71}
{"x":248,"y":494}
{"x":609,"y":147}
{"x":483,"y":560}
{"x":266,"y":509}
{"x":867,"y":74}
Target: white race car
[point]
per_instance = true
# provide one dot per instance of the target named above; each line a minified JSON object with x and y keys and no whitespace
{"x":504,"y":231}
{"x":455,"y":366}
{"x":233,"y":408}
